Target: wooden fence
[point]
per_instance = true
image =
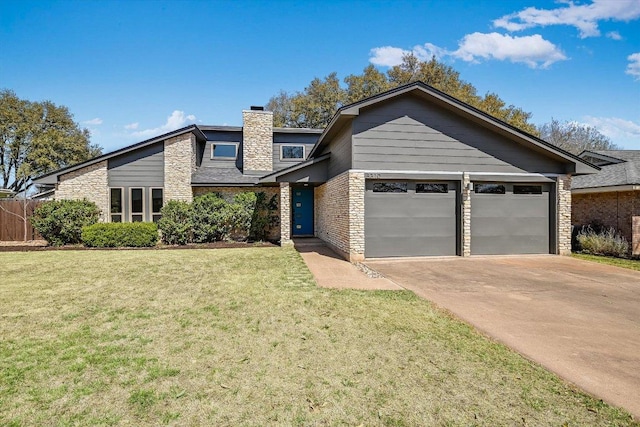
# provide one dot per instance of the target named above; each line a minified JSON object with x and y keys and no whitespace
{"x":11,"y":222}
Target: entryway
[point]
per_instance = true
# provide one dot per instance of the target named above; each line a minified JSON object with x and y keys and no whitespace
{"x":302,"y":211}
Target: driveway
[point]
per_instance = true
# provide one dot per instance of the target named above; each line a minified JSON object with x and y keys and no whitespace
{"x":579,"y":319}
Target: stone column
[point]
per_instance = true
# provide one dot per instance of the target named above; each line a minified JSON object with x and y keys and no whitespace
{"x":466,"y":214}
{"x":179,"y":164}
{"x":285,"y":214}
{"x":257,"y":141}
{"x":356,"y":216}
{"x":563,"y":204}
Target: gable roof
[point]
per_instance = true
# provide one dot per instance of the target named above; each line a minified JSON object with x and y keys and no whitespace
{"x":420,"y":89}
{"x":52,"y":177}
{"x":619,"y":168}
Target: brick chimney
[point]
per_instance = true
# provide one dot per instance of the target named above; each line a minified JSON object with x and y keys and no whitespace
{"x":257,"y":140}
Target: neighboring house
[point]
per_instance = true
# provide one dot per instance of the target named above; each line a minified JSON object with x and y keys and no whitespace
{"x":5,"y":193}
{"x":612,"y":196}
{"x":408,"y":172}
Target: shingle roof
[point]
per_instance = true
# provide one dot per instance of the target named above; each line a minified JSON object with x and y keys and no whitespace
{"x":222,"y":176}
{"x":626,"y":172}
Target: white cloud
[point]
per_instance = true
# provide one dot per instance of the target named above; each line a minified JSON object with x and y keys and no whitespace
{"x":633,"y":69}
{"x":96,"y":121}
{"x":584,"y":17}
{"x":614,"y":35}
{"x":132,"y":126}
{"x":176,"y":120}
{"x":387,"y":56}
{"x":615,"y":128}
{"x":531,"y":50}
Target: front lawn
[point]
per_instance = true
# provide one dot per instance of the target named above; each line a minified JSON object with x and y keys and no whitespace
{"x":244,"y":337}
{"x":632,"y":264}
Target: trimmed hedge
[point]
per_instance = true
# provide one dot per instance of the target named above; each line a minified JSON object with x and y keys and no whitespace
{"x":120,"y":234}
{"x":60,"y":222}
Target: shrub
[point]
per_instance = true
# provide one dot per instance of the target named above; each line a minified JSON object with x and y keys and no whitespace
{"x":176,"y":223}
{"x":241,"y":214}
{"x":607,"y":242}
{"x":60,"y":222}
{"x":263,"y":217}
{"x":211,"y":218}
{"x":120,"y":234}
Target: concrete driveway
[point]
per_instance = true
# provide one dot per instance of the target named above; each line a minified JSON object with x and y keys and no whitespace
{"x":579,"y":319}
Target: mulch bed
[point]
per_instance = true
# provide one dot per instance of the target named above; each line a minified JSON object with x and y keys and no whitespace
{"x":216,"y":245}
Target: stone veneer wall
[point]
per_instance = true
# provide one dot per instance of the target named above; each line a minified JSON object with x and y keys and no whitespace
{"x":564,"y":214}
{"x":229,"y":192}
{"x":617,"y":209}
{"x":257,"y":140}
{"x":179,"y":164}
{"x":91,"y":183}
{"x":466,"y":214}
{"x":339,"y":214}
{"x":285,"y":213}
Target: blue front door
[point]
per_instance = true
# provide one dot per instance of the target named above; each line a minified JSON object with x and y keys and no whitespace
{"x":302,"y":212}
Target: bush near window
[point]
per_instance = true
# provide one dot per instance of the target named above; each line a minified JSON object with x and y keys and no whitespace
{"x":211,"y":217}
{"x":60,"y":222}
{"x":175,"y":225}
{"x":606,"y":242}
{"x":120,"y":235}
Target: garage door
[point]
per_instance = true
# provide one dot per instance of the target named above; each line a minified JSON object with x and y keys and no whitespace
{"x":510,"y":218}
{"x":407,"y":218}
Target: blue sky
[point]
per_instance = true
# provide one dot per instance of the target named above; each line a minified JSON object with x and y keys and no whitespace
{"x":129,"y":70}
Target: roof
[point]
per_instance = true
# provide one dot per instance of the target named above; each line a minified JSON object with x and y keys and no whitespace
{"x":52,"y":177}
{"x":209,"y":176}
{"x":618,"y":168}
{"x":349,"y":112}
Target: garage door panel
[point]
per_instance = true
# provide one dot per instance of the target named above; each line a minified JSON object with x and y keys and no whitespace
{"x":510,"y":223}
{"x":410,"y":224}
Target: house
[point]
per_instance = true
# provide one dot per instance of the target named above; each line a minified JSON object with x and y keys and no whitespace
{"x":610,"y":197}
{"x":409,"y":172}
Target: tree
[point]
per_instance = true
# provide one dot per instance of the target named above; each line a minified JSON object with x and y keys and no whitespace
{"x":575,"y":137}
{"x":319,"y":101}
{"x":36,"y":138}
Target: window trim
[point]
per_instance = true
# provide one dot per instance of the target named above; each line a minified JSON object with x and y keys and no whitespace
{"x":213,"y":146}
{"x":151,"y":211}
{"x":131,"y":213}
{"x":122,"y":199}
{"x":288,"y":159}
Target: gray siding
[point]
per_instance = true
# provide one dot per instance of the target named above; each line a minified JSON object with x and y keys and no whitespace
{"x":409,"y":134}
{"x":281,"y":164}
{"x":139,"y":168}
{"x":341,"y":151}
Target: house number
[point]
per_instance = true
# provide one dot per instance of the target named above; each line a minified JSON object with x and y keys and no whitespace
{"x":373,"y":175}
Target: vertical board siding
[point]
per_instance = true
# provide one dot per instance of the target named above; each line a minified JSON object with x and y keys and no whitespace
{"x":140,"y":168}
{"x":410,"y":134}
{"x":11,"y":223}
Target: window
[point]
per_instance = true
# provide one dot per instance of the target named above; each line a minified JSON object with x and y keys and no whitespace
{"x":223,"y":151}
{"x":389,"y":187}
{"x":137,"y":205}
{"x":156,"y":204}
{"x":291,"y":152}
{"x":431,"y":187}
{"x":489,"y":188}
{"x":527,"y":189}
{"x":115,"y":204}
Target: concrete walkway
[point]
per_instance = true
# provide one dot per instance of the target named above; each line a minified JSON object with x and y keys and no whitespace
{"x":579,"y":319}
{"x":332,"y":271}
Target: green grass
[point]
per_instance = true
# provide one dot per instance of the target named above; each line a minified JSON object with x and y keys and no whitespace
{"x":632,"y":264}
{"x":244,"y":337}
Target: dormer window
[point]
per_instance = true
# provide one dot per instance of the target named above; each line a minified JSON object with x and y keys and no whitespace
{"x":292,"y":152}
{"x":223,"y":151}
